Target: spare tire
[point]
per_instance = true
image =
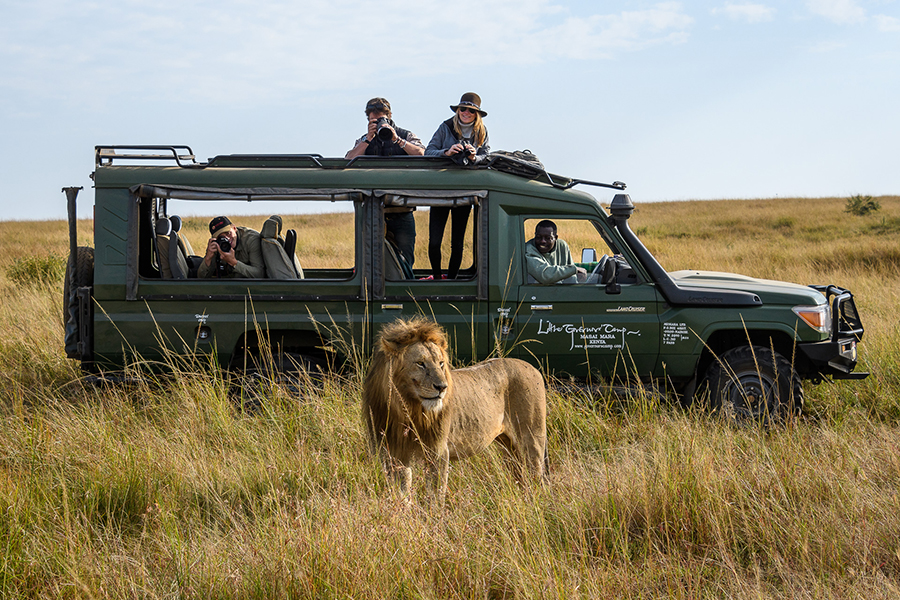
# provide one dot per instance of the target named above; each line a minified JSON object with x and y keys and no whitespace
{"x":79,"y":273}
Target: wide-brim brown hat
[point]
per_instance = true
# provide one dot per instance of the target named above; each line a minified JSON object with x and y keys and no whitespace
{"x":472,"y":100}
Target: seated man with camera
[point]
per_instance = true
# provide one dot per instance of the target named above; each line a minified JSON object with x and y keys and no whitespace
{"x":232,"y":252}
{"x":384,"y":138}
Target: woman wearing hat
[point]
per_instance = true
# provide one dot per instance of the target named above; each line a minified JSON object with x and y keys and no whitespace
{"x":464,"y":138}
{"x":464,"y":131}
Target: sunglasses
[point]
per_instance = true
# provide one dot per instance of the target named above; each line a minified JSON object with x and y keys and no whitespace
{"x":465,"y":109}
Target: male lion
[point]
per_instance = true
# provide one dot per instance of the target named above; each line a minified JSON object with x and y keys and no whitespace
{"x":415,"y":406}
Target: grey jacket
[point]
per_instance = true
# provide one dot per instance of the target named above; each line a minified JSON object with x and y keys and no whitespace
{"x":444,"y":137}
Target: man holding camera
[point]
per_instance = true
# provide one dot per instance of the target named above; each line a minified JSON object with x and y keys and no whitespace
{"x":232,"y":252}
{"x":384,"y":138}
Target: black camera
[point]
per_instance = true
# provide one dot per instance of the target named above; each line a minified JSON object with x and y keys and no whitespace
{"x":224,"y":244}
{"x":462,"y":157}
{"x":383,"y":129}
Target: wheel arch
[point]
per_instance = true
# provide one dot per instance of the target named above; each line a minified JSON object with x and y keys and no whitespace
{"x":722,"y":340}
{"x":308,"y":343}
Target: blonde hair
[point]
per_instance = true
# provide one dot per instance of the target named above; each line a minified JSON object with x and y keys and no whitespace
{"x":478,"y":128}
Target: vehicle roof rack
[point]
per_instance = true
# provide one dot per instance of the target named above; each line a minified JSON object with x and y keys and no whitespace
{"x":183,"y":156}
{"x":106,"y":154}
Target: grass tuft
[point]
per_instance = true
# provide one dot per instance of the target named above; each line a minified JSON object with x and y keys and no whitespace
{"x":37,"y":270}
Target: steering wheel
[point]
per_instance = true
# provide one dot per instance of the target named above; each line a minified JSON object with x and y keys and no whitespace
{"x":598,"y":270}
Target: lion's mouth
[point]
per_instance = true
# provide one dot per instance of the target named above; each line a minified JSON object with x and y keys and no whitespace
{"x":432,"y":404}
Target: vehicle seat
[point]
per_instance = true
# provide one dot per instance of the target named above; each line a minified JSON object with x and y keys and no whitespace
{"x":193,"y":261}
{"x":290,"y":248}
{"x":395,"y":266}
{"x":278,"y":264}
{"x":171,"y":258}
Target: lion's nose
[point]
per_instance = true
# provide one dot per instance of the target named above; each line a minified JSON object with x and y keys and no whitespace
{"x":440,"y":386}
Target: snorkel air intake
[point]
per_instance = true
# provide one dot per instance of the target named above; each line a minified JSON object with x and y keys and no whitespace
{"x":620,"y":210}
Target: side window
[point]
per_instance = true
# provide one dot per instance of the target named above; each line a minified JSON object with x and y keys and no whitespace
{"x":431,"y":239}
{"x":284,"y":240}
{"x":565,"y":251}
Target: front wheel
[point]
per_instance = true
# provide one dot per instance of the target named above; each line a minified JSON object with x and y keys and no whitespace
{"x":754,"y":383}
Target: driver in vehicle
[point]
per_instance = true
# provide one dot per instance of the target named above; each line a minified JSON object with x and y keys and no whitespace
{"x":232,"y":252}
{"x":548,"y":259}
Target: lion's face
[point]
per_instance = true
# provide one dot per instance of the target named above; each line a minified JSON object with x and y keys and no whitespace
{"x":424,"y":375}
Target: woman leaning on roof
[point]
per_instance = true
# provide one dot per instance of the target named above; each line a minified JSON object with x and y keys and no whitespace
{"x":464,"y":138}
{"x":464,"y":131}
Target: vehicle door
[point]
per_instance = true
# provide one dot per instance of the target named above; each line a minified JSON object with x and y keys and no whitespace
{"x":403,"y":290}
{"x":610,"y":328}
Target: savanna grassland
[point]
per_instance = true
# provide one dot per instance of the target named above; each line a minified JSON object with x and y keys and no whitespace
{"x":167,"y":489}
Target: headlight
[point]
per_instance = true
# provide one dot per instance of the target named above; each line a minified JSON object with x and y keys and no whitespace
{"x":817,"y":317}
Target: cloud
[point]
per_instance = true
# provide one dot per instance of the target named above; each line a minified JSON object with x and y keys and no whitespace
{"x":886,"y":23}
{"x":244,"y":50}
{"x":751,"y":13}
{"x":841,"y":12}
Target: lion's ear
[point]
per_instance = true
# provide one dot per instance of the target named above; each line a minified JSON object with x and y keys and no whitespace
{"x":390,"y":347}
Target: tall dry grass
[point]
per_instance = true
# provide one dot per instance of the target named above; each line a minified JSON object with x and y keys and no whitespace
{"x":166,"y":488}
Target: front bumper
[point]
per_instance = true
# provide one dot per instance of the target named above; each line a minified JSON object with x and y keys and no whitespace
{"x":836,"y":357}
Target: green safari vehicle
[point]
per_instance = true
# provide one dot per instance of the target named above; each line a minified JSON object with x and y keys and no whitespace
{"x":333,"y":281}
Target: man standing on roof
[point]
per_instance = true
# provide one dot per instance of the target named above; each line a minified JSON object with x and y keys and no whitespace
{"x":384,"y":138}
{"x":548,"y":259}
{"x":232,"y":252}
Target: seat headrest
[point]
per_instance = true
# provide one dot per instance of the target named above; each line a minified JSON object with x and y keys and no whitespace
{"x":279,"y":221}
{"x":163,"y":226}
{"x":270,"y":229}
{"x":176,"y":223}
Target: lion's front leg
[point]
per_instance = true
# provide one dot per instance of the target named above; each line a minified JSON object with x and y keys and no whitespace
{"x":399,"y":473}
{"x":438,"y":465}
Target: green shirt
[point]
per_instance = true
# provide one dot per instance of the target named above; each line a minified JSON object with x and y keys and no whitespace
{"x":553,"y":267}
{"x":248,"y":253}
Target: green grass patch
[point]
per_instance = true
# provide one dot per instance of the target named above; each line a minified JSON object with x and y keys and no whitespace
{"x":37,"y":270}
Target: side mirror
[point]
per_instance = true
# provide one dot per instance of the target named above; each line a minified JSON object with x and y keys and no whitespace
{"x":610,"y":270}
{"x":588,"y":255}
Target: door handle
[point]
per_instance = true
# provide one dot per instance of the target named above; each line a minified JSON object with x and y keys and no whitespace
{"x":536,"y":307}
{"x":391,"y":307}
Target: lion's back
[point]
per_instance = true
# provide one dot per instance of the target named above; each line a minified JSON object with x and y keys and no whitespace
{"x":500,"y":383}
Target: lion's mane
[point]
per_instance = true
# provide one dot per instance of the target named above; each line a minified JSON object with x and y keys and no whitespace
{"x":392,"y":421}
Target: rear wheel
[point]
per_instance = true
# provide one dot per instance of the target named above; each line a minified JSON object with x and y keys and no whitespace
{"x":754,"y":383}
{"x":294,"y":371}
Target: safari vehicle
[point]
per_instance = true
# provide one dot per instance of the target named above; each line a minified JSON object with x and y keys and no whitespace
{"x":135,"y":295}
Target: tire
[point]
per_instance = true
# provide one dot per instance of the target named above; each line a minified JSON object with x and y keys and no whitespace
{"x":79,"y":273}
{"x":291,"y":369}
{"x":753,"y":383}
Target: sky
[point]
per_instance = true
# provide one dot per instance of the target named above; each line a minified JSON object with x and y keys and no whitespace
{"x":700,"y":100}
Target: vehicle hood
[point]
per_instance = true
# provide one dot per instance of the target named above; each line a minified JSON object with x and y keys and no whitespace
{"x":769,"y":291}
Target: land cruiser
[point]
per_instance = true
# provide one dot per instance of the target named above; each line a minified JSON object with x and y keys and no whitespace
{"x":135,"y":295}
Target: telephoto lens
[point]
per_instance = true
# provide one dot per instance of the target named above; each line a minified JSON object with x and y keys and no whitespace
{"x":383,"y":130}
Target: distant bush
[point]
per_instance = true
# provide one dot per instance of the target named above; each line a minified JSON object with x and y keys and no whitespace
{"x":860,"y":205}
{"x":37,"y":270}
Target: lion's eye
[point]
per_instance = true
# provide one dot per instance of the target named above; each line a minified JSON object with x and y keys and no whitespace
{"x":442,"y":364}
{"x":421,"y":364}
